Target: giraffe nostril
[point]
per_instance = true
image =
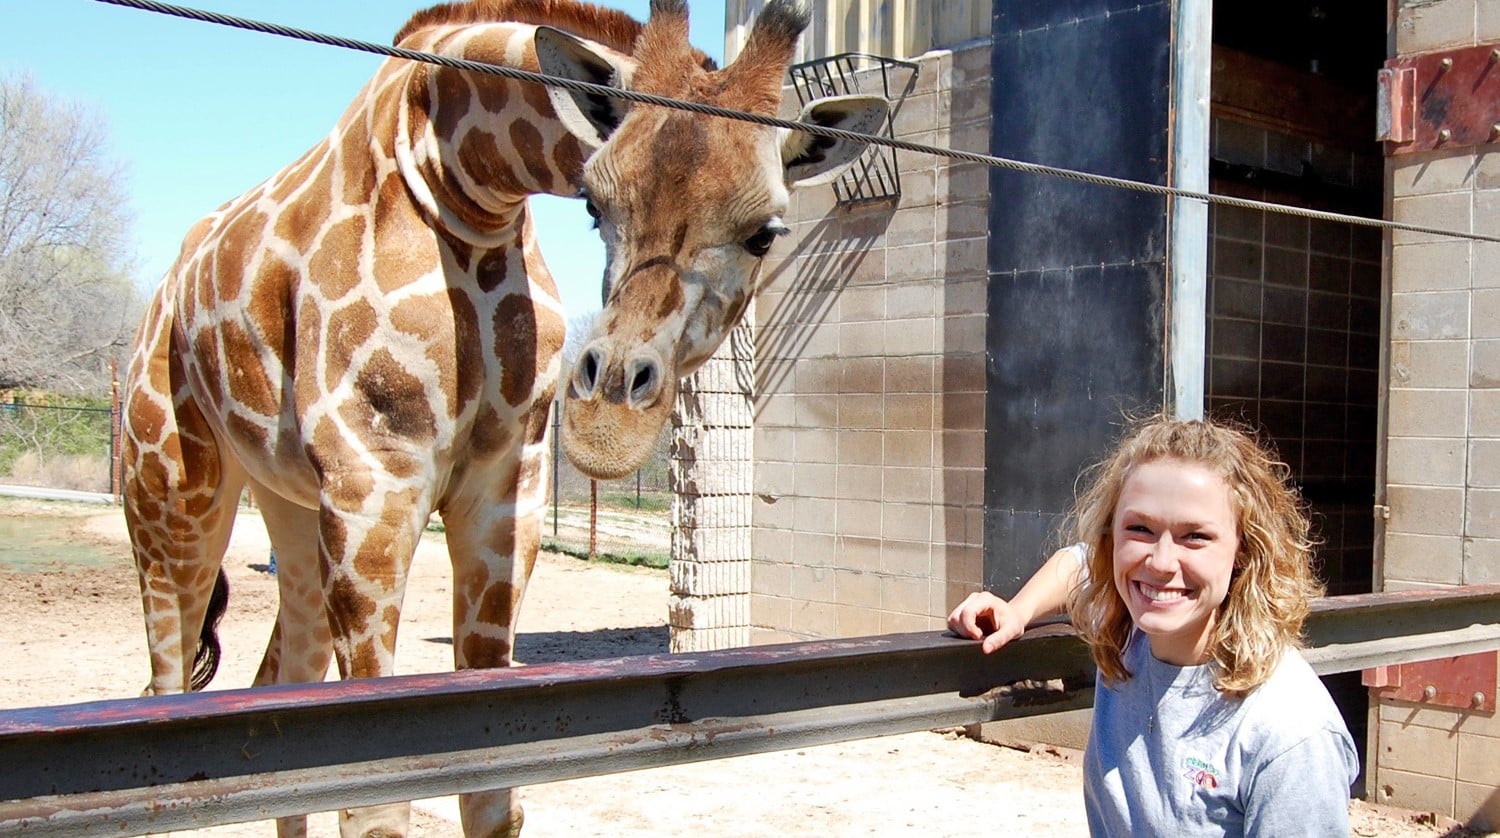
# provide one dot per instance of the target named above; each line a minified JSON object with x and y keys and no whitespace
{"x":644,"y":377}
{"x":586,"y":377}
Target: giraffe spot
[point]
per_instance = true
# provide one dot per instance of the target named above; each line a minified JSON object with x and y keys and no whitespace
{"x":568,"y":156}
{"x":240,"y":240}
{"x":493,"y":267}
{"x":428,"y":319}
{"x":306,"y":212}
{"x":403,"y":248}
{"x":248,"y":433}
{"x":394,"y":402}
{"x":345,"y":482}
{"x":392,"y":618}
{"x":355,"y":162}
{"x":294,"y":176}
{"x":490,"y":434}
{"x":270,"y":312}
{"x":482,"y":652}
{"x":364,"y":662}
{"x":349,"y":327}
{"x":467,"y":344}
{"x":309,"y":350}
{"x":335,"y":265}
{"x":493,"y":94}
{"x":206,"y":352}
{"x":249,"y":386}
{"x":147,"y":418}
{"x":497,"y":606}
{"x":516,"y":346}
{"x":483,"y":162}
{"x":536,"y":97}
{"x":451,"y":97}
{"x":349,"y":608}
{"x":459,"y":249}
{"x":528,"y":141}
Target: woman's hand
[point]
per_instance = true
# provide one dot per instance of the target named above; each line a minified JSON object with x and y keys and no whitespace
{"x":988,"y":617}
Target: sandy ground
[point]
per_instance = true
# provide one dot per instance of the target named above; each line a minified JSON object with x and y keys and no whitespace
{"x":76,"y":635}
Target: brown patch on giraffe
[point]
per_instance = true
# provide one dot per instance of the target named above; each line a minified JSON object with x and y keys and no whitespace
{"x":399,"y":260}
{"x":490,"y":434}
{"x":391,"y":618}
{"x":537,"y":98}
{"x":568,"y":156}
{"x":269,"y":309}
{"x":249,"y":385}
{"x":348,"y":488}
{"x":451,"y":94}
{"x":309,"y":345}
{"x":493,"y":94}
{"x":516,"y":339}
{"x":246,"y":431}
{"x":459,"y":249}
{"x":303,"y":217}
{"x":147,"y":418}
{"x":493,"y":267}
{"x":528,"y":138}
{"x":348,"y":329}
{"x":294,"y":176}
{"x":394,"y":402}
{"x":238,"y":244}
{"x":485,"y":164}
{"x":348,"y":607}
{"x":482,"y":652}
{"x":358,"y":168}
{"x":206,"y":351}
{"x":336,"y":262}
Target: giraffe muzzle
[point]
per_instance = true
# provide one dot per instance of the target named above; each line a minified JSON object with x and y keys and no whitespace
{"x":615,"y":407}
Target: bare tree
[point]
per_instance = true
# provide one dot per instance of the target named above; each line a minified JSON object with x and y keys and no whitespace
{"x":67,"y":303}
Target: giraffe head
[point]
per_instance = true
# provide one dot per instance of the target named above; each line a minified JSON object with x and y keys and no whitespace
{"x":687,"y":206}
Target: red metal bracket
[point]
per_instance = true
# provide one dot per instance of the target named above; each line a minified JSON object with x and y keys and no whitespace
{"x":1466,"y":682}
{"x":1443,"y":100}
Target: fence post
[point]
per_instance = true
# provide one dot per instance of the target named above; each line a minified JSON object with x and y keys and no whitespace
{"x":593,"y":518}
{"x":116,"y":424}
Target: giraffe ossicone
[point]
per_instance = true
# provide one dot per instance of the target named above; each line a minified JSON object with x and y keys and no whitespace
{"x":371,"y":335}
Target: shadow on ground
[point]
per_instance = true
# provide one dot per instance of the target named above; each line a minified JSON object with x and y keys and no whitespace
{"x":558,"y":646}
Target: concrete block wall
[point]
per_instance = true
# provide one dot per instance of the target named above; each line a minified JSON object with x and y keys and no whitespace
{"x":1443,"y":425}
{"x":869,"y":412}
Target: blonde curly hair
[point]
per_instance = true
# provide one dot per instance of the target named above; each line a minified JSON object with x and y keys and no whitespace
{"x":1272,"y":582}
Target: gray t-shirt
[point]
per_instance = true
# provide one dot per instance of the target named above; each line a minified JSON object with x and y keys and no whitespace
{"x":1169,"y":755}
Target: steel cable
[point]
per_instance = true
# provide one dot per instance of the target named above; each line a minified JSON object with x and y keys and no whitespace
{"x":774,"y":122}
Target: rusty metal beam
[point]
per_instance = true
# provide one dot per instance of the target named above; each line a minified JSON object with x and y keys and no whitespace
{"x":178,"y":762}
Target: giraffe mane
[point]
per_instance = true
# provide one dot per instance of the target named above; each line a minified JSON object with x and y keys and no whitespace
{"x":610,"y":27}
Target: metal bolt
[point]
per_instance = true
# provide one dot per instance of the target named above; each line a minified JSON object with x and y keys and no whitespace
{"x":1494,"y":55}
{"x":1444,"y":135}
{"x":1478,"y":700}
{"x":1495,"y":132}
{"x":1446,"y":64}
{"x":1429,"y":692}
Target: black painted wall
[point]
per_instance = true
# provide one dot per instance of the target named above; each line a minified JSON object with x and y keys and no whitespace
{"x":1077,"y":272}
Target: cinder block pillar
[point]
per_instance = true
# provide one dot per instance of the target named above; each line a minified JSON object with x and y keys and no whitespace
{"x":711,"y":470}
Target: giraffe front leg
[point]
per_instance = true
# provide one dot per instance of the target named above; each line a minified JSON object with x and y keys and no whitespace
{"x":366,"y":544}
{"x":493,"y":543}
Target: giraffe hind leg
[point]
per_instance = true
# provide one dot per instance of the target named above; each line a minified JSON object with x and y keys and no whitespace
{"x":206,"y":658}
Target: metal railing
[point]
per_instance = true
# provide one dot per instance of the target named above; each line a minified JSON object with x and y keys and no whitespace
{"x":178,"y":762}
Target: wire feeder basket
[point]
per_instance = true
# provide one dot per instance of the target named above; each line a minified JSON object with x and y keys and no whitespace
{"x":873,"y":177}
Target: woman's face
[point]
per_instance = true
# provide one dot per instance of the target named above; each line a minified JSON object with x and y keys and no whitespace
{"x":1176,"y":535}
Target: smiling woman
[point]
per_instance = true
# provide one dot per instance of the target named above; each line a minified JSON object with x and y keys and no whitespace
{"x":1190,"y":582}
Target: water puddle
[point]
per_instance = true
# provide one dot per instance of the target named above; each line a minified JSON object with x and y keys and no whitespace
{"x":38,"y":543}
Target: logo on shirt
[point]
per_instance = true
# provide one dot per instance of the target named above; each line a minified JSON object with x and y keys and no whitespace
{"x":1201,"y":773}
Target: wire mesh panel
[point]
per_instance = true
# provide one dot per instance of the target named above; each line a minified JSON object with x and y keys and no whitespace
{"x":874,"y":176}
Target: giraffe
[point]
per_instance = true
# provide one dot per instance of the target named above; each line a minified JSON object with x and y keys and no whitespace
{"x":371,"y":335}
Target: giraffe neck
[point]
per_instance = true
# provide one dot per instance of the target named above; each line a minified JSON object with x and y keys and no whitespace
{"x":471,"y":147}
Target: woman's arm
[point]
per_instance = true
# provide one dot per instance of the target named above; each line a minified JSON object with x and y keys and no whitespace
{"x":984,"y":615}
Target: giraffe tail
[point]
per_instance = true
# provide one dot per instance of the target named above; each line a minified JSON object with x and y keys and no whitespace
{"x":206,"y":661}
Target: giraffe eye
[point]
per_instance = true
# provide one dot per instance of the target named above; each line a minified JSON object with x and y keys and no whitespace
{"x":760,"y":243}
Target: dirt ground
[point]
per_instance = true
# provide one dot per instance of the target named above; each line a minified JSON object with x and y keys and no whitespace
{"x":76,"y":635}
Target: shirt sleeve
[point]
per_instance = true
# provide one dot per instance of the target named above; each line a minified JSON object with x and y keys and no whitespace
{"x":1304,"y":790}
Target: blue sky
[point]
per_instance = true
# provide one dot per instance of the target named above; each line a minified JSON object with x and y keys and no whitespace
{"x":198,"y":113}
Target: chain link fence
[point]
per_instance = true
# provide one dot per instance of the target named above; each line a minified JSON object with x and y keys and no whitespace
{"x":57,"y":443}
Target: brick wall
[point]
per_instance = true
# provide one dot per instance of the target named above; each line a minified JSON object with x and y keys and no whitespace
{"x":869,"y":416}
{"x":1443,"y":456}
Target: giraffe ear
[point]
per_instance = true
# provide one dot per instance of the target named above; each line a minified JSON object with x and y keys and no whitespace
{"x":590,"y":117}
{"x":811,"y":159}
